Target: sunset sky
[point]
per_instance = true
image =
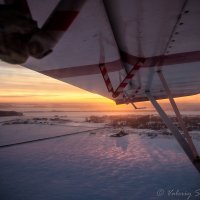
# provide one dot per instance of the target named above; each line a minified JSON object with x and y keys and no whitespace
{"x":21,"y":85}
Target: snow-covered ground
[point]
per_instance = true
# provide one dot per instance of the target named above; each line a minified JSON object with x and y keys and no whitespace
{"x":92,"y":165}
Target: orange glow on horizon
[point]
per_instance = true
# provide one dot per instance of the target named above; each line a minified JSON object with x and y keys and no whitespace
{"x":21,"y":85}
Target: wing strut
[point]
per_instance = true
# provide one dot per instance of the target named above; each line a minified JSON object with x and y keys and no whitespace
{"x":184,"y":139}
{"x":125,"y":81}
{"x":177,"y":112}
{"x":137,"y":108}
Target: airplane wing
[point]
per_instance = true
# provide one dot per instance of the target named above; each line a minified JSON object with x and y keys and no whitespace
{"x":128,"y":51}
{"x":117,"y":34}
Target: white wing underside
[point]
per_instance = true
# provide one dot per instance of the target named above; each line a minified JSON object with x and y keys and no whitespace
{"x":117,"y":34}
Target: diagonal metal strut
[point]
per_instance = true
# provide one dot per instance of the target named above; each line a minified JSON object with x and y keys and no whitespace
{"x":179,"y":137}
{"x":177,"y":112}
{"x":124,"y":82}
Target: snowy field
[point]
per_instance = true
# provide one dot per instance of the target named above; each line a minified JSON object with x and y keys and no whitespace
{"x":91,"y":165}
